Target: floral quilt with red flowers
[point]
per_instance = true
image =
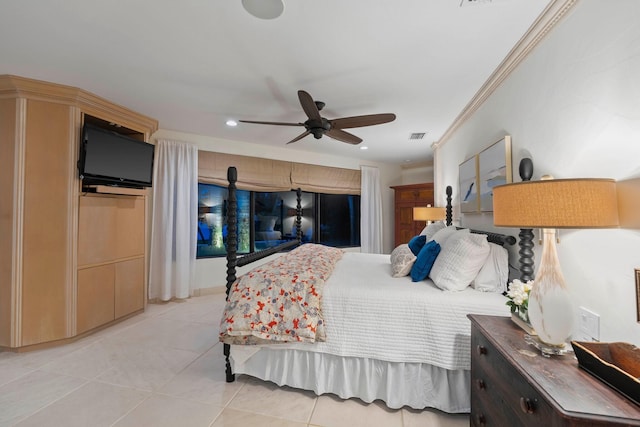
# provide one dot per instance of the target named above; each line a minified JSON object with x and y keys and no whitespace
{"x":280,"y":301}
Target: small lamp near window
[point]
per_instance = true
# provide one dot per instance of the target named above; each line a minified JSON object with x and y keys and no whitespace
{"x":429,"y":213}
{"x":550,"y":204}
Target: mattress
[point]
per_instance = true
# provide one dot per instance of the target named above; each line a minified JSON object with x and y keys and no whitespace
{"x":369,"y":314}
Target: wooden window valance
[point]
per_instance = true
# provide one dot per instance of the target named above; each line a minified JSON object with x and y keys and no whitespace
{"x":258,"y":174}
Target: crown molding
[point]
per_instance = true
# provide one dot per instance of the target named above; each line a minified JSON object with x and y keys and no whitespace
{"x":547,"y":20}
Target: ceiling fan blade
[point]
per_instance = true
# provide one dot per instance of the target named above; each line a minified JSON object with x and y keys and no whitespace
{"x":271,"y":123}
{"x":299,"y":137}
{"x":360,"y":121}
{"x":343,"y":136}
{"x":309,"y":106}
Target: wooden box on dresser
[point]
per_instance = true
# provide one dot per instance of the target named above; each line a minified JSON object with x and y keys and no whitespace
{"x":46,"y":294}
{"x":512,"y":384}
{"x":407,"y":197}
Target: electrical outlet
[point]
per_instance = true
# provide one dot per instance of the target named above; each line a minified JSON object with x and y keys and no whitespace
{"x":589,"y":329}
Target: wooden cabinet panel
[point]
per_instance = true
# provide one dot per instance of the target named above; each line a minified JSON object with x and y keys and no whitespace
{"x":129,"y":287}
{"x":7,"y":170}
{"x":46,"y":242}
{"x":406,"y":198}
{"x":111,"y":232}
{"x":95,"y":297}
{"x":96,"y":224}
{"x":110,"y":228}
{"x":130,"y":226}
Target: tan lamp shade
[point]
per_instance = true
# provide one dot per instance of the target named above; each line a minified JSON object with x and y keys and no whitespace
{"x":428,"y":214}
{"x":556,"y":203}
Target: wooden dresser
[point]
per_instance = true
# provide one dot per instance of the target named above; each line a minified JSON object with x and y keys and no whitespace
{"x":512,"y":384}
{"x":406,"y":198}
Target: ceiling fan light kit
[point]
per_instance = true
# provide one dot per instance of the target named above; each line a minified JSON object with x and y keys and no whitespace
{"x":264,"y":9}
{"x":318,"y":126}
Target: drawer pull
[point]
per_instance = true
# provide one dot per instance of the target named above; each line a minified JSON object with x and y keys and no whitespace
{"x":527,"y":405}
{"x":482,"y":349}
{"x":481,"y":385}
{"x":481,"y":420}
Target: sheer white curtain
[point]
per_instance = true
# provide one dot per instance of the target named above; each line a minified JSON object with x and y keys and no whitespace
{"x":370,"y":211}
{"x":175,"y":220}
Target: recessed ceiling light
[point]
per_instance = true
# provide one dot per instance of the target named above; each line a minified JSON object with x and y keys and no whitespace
{"x":264,"y":9}
{"x":364,"y":147}
{"x":232,"y":123}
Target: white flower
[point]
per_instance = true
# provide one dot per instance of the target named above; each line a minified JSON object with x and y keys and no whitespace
{"x":518,"y":292}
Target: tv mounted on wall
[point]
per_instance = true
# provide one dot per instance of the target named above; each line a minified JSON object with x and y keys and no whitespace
{"x":110,"y":158}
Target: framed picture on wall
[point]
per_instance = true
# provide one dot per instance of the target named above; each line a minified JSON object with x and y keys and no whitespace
{"x":637,"y":270}
{"x":468,"y":180}
{"x":494,"y":168}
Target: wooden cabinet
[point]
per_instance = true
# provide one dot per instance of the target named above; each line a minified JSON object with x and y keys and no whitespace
{"x":40,"y":125}
{"x":406,"y":198}
{"x":513,"y":384}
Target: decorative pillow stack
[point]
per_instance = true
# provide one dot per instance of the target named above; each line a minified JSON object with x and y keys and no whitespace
{"x":453,"y":259}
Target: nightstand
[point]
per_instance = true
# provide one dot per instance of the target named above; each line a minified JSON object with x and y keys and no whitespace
{"x":512,"y":384}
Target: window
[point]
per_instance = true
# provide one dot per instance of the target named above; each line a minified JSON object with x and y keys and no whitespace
{"x":339,"y":220}
{"x":330,"y":219}
{"x":212,"y":224}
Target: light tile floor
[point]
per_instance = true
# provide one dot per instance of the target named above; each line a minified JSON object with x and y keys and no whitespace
{"x":165,"y":368}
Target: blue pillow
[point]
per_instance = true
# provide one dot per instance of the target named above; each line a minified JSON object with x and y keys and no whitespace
{"x":427,"y":256}
{"x":416,"y":243}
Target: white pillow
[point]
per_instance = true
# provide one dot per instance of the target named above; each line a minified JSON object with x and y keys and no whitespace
{"x":494,"y":274}
{"x":459,"y":261}
{"x":431,"y":229}
{"x":441,"y":236}
{"x":402,"y":260}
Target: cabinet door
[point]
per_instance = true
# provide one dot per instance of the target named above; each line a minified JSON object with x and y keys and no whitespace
{"x":97,"y":241}
{"x":405,"y":226}
{"x":129,"y":287}
{"x":95,"y":297}
{"x":129,"y":232}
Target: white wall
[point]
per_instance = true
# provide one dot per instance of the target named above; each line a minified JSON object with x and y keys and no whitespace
{"x":573,"y":106}
{"x":211,"y":272}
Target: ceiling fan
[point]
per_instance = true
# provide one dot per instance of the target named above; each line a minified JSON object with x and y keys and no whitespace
{"x":318,"y":125}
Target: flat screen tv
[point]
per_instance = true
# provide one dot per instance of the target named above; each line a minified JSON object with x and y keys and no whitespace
{"x":110,"y":158}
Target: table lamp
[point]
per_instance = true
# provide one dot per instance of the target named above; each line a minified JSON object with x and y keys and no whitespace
{"x":550,"y":204}
{"x":428,"y":213}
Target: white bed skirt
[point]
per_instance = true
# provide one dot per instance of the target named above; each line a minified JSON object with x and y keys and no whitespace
{"x":415,"y":385}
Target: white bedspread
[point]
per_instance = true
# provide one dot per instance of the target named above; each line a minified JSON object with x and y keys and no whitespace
{"x":370,"y":314}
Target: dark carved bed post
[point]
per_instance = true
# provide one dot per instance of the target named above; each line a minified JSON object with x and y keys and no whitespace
{"x":299,"y":215}
{"x":232,"y":247}
{"x":526,"y":234}
{"x":449,"y":207}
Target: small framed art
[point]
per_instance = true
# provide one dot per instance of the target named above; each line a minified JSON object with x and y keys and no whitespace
{"x":494,"y":168}
{"x":468,"y":180}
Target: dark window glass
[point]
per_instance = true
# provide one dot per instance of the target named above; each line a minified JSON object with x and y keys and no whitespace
{"x":212,"y":221}
{"x":333,"y":220}
{"x":339,"y":220}
{"x":275,"y":215}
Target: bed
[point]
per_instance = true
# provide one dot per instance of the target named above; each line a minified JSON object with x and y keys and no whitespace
{"x":402,"y":341}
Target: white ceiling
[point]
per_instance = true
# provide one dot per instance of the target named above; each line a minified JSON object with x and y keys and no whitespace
{"x":193,"y":64}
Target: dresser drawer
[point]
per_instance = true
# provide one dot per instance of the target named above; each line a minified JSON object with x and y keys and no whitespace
{"x":498,"y":389}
